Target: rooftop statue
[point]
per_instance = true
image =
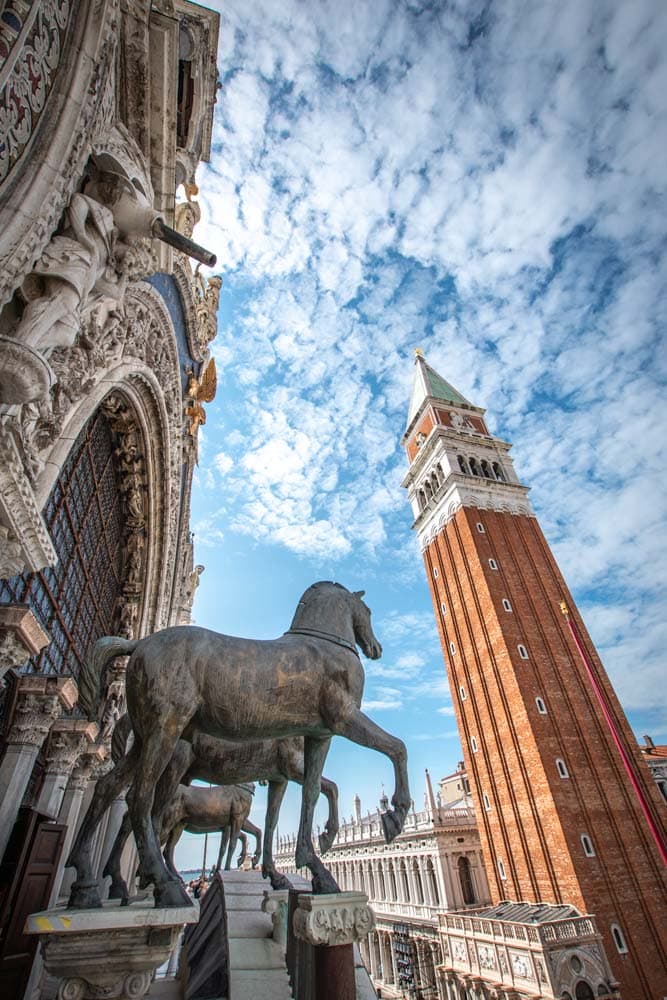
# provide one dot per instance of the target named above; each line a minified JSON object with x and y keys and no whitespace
{"x":187,"y":680}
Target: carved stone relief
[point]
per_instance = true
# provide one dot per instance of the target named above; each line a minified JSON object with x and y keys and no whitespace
{"x":39,"y":36}
{"x":81,"y":278}
{"x":334,"y":920}
{"x":64,"y":139}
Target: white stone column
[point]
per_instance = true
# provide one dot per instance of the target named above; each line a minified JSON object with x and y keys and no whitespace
{"x":40,"y":699}
{"x":394,"y":966}
{"x":67,"y":740}
{"x":453,"y":898}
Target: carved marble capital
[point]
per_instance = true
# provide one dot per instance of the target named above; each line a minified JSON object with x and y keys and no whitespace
{"x":20,"y":636}
{"x":40,"y":701}
{"x":87,"y":767}
{"x":333,"y":919}
{"x":68,"y":739}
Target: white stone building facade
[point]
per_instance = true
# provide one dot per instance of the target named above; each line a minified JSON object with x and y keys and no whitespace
{"x":434,"y":866}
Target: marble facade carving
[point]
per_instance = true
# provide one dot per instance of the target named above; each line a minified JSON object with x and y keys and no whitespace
{"x":40,"y":702}
{"x":341,"y":918}
{"x":92,"y":158}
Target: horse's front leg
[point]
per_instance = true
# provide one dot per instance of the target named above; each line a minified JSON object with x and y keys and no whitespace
{"x":314,"y":754}
{"x":361,"y":730}
{"x":235,"y":822}
{"x":277,"y":789}
{"x":330,"y":790}
{"x":249,"y":827}
{"x":244,"y":848}
{"x":170,"y":847}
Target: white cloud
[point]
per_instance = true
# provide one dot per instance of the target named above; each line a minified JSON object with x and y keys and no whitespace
{"x":223,"y":462}
{"x":383,"y":179}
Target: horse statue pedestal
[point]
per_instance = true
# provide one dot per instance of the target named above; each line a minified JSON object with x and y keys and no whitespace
{"x":322,"y":932}
{"x":109,"y":952}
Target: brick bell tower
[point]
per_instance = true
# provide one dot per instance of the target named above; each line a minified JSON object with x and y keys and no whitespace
{"x":566,"y":808}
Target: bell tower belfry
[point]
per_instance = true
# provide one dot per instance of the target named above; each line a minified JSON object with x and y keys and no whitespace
{"x":566,"y":808}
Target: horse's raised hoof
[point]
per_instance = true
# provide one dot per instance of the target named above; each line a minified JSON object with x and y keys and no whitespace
{"x":277,"y":879}
{"x":324,"y":883}
{"x":84,"y":896}
{"x":171,"y":893}
{"x":392,"y":824}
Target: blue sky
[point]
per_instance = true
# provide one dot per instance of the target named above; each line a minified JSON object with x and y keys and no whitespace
{"x":485,"y":181}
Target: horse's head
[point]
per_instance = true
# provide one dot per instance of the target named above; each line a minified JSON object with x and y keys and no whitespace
{"x":330,"y":610}
{"x":361,"y":623}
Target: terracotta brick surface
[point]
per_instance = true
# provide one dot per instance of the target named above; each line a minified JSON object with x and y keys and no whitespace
{"x":537,"y":818}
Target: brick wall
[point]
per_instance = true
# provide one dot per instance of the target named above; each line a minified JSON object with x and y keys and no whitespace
{"x":532,"y":819}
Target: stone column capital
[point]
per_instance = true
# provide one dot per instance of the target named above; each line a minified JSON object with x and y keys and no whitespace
{"x":333,"y":919}
{"x":21,"y":636}
{"x":39,"y":701}
{"x":86,"y":767}
{"x":68,"y":739}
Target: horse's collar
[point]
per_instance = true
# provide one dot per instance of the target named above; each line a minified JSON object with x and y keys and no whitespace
{"x":324,"y":635}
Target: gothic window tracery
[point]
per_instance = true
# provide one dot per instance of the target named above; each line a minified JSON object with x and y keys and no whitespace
{"x":76,"y":599}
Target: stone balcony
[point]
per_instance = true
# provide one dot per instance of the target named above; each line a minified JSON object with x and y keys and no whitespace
{"x":533,"y":950}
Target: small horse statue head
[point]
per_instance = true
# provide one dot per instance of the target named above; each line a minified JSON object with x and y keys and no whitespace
{"x":331,"y":611}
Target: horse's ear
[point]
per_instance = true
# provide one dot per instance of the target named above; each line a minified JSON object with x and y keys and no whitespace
{"x":359,"y":593}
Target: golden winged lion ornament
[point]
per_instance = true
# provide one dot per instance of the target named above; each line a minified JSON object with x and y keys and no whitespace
{"x":200,"y":391}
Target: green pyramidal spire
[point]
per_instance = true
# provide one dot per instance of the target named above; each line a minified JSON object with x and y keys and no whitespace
{"x":427,"y":382}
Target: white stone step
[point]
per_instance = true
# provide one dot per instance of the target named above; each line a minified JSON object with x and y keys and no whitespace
{"x":255,"y":953}
{"x":246,"y":984}
{"x":256,"y":962}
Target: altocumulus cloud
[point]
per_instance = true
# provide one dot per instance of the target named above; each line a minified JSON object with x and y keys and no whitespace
{"x":486,"y":182}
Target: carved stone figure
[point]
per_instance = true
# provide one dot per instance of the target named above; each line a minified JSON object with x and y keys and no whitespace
{"x":207,"y":307}
{"x":186,"y":216}
{"x":85,"y":266}
{"x":200,"y":391}
{"x":188,"y":680}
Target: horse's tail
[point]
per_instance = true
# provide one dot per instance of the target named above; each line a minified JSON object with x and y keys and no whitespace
{"x":90,"y":676}
{"x":119,"y":738}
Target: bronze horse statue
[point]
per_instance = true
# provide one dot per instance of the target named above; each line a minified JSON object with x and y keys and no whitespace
{"x":222,"y":808}
{"x":187,"y":680}
{"x":222,"y":762}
